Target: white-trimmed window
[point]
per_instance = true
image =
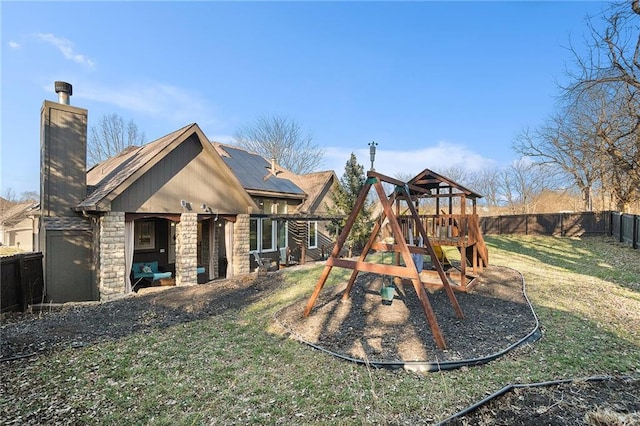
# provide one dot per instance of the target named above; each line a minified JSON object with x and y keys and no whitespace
{"x":313,"y":234}
{"x":262,"y":235}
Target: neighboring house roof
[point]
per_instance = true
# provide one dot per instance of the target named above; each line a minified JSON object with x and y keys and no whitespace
{"x":429,"y":180}
{"x":110,"y":178}
{"x":256,"y":174}
{"x":13,"y":213}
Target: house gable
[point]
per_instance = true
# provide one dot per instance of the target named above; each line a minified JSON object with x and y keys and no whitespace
{"x":180,"y":166}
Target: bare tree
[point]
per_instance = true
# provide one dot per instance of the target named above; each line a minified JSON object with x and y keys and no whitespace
{"x":569,"y":143}
{"x":486,"y":183}
{"x":611,"y":68}
{"x":281,"y":138}
{"x":111,"y":136}
{"x":595,"y":139}
{"x":32,"y":196}
{"x":522,"y":184}
{"x":10,"y":195}
{"x":613,"y":54}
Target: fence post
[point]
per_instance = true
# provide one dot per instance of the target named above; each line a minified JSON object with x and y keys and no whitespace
{"x":610,"y":231}
{"x":634,"y":234}
{"x":22,"y":279}
{"x":621,"y":236}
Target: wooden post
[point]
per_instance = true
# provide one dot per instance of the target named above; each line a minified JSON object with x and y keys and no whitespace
{"x":438,"y":265}
{"x":400,"y":247}
{"x":338,"y":247}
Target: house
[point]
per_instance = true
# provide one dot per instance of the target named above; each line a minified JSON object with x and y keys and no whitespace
{"x":19,"y":225}
{"x":292,"y":209}
{"x":179,"y":202}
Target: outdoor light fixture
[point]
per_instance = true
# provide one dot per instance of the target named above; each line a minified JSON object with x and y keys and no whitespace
{"x":372,"y":152}
{"x":209,"y":210}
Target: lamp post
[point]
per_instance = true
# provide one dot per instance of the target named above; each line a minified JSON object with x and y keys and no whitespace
{"x":372,"y":153}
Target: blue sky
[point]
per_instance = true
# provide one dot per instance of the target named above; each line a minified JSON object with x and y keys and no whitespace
{"x":435,"y":84}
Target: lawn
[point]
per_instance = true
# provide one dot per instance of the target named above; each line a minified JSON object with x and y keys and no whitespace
{"x":239,"y":368}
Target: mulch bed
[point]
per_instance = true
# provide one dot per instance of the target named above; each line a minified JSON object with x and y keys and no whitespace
{"x":606,"y":402}
{"x":80,"y":324}
{"x":497,"y":316}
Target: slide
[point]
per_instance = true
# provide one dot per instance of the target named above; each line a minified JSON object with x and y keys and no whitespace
{"x":442,"y":256}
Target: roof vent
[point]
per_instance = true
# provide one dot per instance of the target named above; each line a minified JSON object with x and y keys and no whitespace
{"x":64,"y":91}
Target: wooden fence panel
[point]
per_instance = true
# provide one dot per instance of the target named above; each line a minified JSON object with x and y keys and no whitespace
{"x":624,"y":227}
{"x":22,"y":281}
{"x":514,"y":224}
{"x":587,"y":223}
{"x":544,"y":224}
{"x":10,"y":295}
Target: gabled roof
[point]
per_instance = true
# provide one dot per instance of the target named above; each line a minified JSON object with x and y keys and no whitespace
{"x":110,"y":178}
{"x":107,"y":176}
{"x":256,"y":174}
{"x":429,"y":180}
{"x":314,"y":184}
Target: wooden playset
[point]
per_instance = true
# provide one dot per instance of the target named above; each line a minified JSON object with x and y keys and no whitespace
{"x":404,"y":225}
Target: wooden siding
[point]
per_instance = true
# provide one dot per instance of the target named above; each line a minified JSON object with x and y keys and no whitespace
{"x":63,"y":147}
{"x":69,"y":277}
{"x":186,"y":173}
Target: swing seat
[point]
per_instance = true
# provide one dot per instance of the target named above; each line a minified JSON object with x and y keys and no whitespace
{"x":387,"y":293}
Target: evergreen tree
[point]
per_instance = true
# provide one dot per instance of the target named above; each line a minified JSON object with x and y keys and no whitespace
{"x":344,"y":199}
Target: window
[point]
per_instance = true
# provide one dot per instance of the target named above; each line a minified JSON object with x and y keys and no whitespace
{"x":313,"y":234}
{"x":283,"y":235}
{"x":144,"y":235}
{"x":262,"y":235}
{"x":267,"y":234}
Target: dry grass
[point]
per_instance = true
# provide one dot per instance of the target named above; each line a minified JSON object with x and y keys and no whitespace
{"x":9,"y":251}
{"x":239,"y":368}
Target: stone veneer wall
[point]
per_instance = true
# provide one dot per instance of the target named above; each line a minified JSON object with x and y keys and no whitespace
{"x":187,"y":249}
{"x":241,"y":245}
{"x":111,"y":274}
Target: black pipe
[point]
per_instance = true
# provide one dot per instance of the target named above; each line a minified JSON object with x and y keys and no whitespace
{"x":511,"y":387}
{"x":426,"y":366}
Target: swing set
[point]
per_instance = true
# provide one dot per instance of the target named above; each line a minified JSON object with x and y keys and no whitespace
{"x":400,"y":247}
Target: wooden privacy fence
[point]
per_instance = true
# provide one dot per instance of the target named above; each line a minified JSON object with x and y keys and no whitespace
{"x":624,"y":227}
{"x":22,"y":281}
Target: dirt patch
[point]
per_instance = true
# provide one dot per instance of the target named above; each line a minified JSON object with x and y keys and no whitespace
{"x":497,"y":316}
